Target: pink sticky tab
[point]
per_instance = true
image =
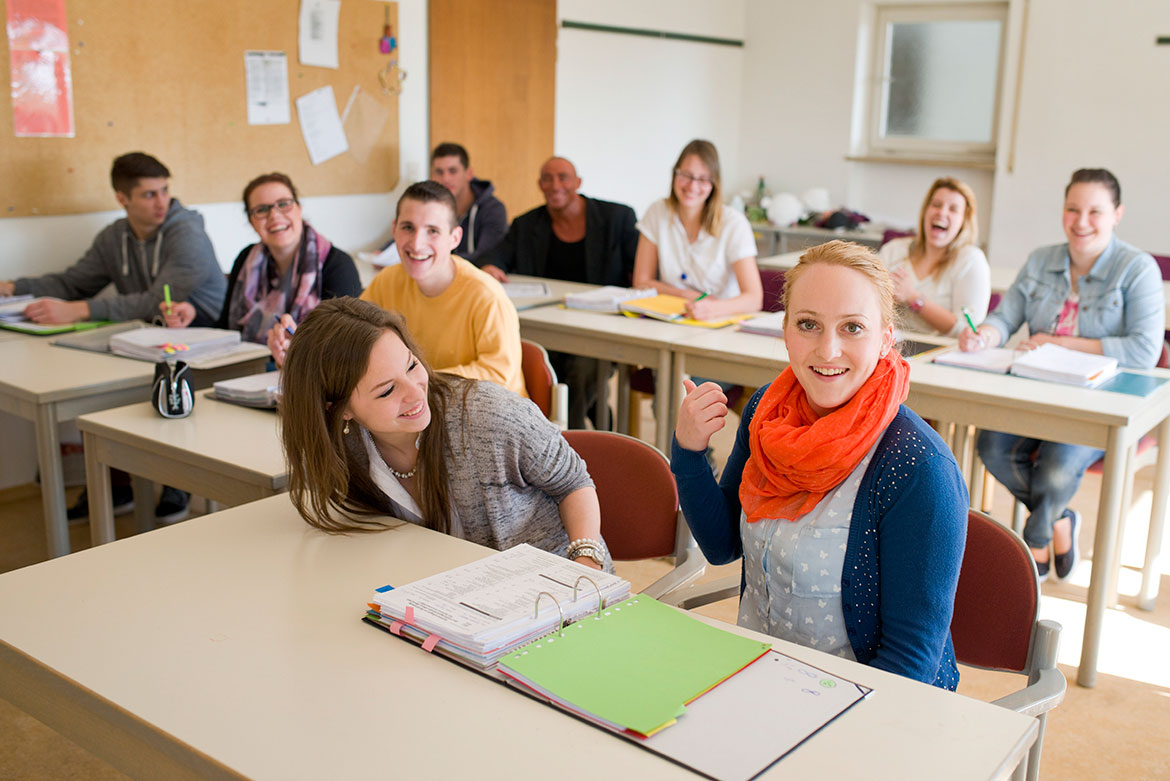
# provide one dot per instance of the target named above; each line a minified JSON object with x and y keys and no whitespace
{"x":396,"y":628}
{"x":430,"y":643}
{"x":409,"y":615}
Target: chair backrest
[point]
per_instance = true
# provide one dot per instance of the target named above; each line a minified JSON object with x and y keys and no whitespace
{"x":773,"y":281}
{"x":1164,"y":358}
{"x":889,"y":234}
{"x":539,"y":376}
{"x":636,"y":490}
{"x":1163,"y":262}
{"x":997,"y":599}
{"x":993,"y":302}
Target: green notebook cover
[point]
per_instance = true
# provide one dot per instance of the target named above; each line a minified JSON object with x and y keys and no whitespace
{"x":49,"y":329}
{"x":637,"y":665}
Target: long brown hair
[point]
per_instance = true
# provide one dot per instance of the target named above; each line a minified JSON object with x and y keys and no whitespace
{"x":966,"y":235}
{"x":328,"y":484}
{"x":712,"y":217}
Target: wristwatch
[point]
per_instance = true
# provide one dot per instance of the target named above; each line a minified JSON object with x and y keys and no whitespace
{"x":586,"y":547}
{"x":917,"y":304}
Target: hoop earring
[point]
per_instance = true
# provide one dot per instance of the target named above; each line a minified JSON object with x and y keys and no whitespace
{"x":346,"y":429}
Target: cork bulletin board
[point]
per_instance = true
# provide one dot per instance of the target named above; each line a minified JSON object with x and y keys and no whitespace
{"x":167,"y":78}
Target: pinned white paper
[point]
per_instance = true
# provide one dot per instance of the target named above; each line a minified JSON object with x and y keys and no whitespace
{"x":267,"y":78}
{"x":318,"y":32}
{"x":320,"y":125}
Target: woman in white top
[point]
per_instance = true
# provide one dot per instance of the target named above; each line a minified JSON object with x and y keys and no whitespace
{"x":695,"y":247}
{"x":940,"y":272}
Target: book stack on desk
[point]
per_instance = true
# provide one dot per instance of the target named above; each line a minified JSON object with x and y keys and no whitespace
{"x":185,"y":344}
{"x":771,"y":324}
{"x":1048,"y":362}
{"x":255,"y":390}
{"x":478,"y":612}
{"x":606,"y":299}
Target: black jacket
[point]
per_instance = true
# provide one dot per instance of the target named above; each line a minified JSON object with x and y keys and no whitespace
{"x":610,"y":243}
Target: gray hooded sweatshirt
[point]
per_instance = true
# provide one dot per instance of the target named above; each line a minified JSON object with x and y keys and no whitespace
{"x":178,"y":254}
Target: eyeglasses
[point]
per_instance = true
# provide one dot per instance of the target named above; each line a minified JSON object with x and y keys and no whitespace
{"x":702,"y":181}
{"x":283,"y":206}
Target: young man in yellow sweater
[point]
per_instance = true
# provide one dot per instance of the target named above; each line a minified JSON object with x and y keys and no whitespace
{"x":459,"y":315}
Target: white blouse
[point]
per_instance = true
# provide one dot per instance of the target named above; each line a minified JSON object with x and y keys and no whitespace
{"x":966,"y":282}
{"x":704,"y":265}
{"x":390,"y":485}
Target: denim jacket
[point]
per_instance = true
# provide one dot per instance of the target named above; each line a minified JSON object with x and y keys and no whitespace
{"x":1121,"y":301}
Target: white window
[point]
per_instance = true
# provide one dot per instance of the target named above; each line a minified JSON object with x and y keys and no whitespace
{"x":937,"y":72}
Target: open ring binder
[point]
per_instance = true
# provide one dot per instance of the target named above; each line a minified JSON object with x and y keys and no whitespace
{"x":536,"y":608}
{"x":594,"y":582}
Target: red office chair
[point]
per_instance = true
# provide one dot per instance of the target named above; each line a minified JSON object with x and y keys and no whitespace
{"x":540,"y":380}
{"x":639,"y":517}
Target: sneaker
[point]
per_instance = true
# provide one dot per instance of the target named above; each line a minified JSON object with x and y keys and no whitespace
{"x":123,"y":496}
{"x":1063,"y":563}
{"x":172,"y":505}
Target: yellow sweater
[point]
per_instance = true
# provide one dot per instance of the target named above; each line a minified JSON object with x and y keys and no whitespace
{"x":470,"y":329}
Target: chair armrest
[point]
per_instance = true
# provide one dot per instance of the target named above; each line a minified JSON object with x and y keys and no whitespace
{"x":705,"y":593}
{"x":560,"y":406}
{"x":692,"y":566}
{"x":1037,"y":698}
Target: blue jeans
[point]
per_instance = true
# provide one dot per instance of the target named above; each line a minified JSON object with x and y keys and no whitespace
{"x":1043,"y":475}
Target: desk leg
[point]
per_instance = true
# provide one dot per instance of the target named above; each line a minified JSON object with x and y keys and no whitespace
{"x":622,"y":424}
{"x":664,"y":400}
{"x":960,"y":450}
{"x":52,"y":480}
{"x":101,"y":501}
{"x":1122,"y":519}
{"x":143,"y":503}
{"x":603,"y":397}
{"x":978,"y":478}
{"x":1152,"y":568}
{"x":1108,"y":511}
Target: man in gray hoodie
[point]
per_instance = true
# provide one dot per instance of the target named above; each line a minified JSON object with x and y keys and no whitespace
{"x":158,"y":242}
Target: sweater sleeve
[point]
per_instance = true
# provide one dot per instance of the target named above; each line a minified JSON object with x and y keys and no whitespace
{"x":339,"y":276}
{"x":545,"y":458}
{"x":922,"y":530}
{"x":1145,"y":312}
{"x":497,"y":342}
{"x":712,"y":510}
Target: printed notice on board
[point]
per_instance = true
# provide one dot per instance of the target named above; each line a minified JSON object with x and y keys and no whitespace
{"x":266,"y":74}
{"x":41,"y":75}
{"x":318,"y":32}
{"x":320,"y":125}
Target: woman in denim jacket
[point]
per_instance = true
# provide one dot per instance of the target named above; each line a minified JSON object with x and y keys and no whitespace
{"x":1096,"y":294}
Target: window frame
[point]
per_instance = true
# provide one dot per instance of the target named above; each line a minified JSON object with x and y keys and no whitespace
{"x":905,"y":147}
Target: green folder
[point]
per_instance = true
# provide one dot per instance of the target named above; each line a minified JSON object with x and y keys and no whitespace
{"x":636,"y":666}
{"x":49,"y":329}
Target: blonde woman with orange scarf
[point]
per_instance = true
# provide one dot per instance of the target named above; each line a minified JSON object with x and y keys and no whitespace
{"x":848,"y":510}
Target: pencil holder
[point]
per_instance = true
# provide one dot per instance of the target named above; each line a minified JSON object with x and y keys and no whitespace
{"x":171,"y":392}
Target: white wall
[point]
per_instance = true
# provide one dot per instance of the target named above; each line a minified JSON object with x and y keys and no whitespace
{"x":1095,"y":93}
{"x":626,"y":105}
{"x":36,"y":245}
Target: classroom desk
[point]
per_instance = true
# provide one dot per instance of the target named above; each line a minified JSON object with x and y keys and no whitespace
{"x":1111,"y":421}
{"x":230,"y":646}
{"x":49,"y":385}
{"x":224,"y":452}
{"x":557,"y":290}
{"x":623,"y":340}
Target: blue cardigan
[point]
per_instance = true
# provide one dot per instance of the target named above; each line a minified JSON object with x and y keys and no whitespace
{"x":906,"y":540}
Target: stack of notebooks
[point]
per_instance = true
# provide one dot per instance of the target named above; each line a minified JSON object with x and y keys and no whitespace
{"x":1048,"y":362}
{"x":183,"y":344}
{"x":605,"y":299}
{"x":715,"y":701}
{"x":771,"y":324}
{"x":256,"y":390}
{"x":672,"y":309}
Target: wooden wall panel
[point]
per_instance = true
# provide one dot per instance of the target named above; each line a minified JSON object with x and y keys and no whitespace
{"x":167,"y":77}
{"x":493,"y":84}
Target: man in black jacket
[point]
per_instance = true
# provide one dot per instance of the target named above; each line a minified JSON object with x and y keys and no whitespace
{"x":575,"y":238}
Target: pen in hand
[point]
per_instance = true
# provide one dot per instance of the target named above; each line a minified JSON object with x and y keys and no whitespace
{"x":167,"y":298}
{"x":287,"y":330}
{"x":967,"y":317}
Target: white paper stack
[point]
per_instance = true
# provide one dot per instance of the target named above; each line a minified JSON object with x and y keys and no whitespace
{"x":771,"y":324}
{"x":606,"y":299}
{"x":182,"y":344}
{"x":997,"y":360}
{"x":12,"y":307}
{"x":481,"y":611}
{"x":256,"y":390}
{"x":1054,"y":363}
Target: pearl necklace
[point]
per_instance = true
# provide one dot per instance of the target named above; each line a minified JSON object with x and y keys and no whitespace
{"x":402,"y":475}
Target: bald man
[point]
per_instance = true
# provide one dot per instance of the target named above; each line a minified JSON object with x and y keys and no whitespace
{"x":575,"y":238}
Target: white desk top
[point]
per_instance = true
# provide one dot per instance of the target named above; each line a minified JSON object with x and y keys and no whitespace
{"x":216,"y":436}
{"x":237,"y":635}
{"x":36,"y":371}
{"x":557,"y":290}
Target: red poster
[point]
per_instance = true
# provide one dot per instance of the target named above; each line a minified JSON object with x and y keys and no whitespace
{"x":41,"y":77}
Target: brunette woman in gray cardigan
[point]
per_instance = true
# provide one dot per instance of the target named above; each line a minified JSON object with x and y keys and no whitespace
{"x":370,"y":432}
